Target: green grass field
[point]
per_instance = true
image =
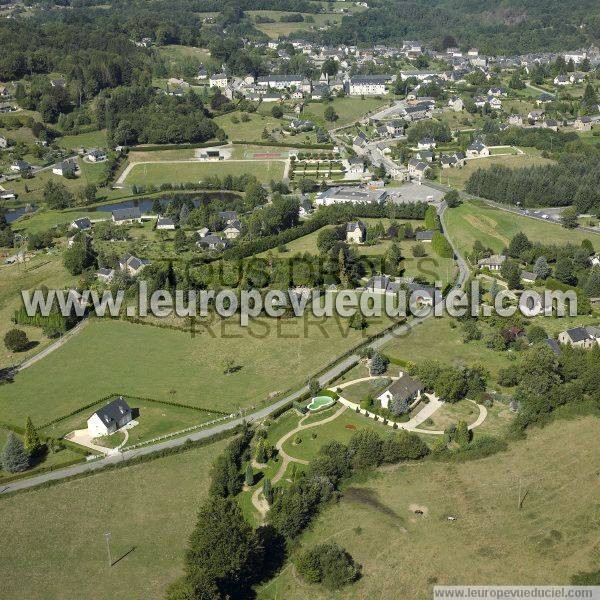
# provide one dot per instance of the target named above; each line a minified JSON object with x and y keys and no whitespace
{"x":157,"y":173}
{"x":494,"y":228}
{"x":457,"y":178}
{"x":44,"y":269}
{"x":149,"y":509}
{"x":177,"y":58}
{"x":435,"y":339}
{"x":276,"y":29}
{"x":554,"y":535}
{"x":109,"y":357}
{"x":92,"y":139}
{"x":31,"y":190}
{"x":349,"y":110}
{"x":250,"y":130}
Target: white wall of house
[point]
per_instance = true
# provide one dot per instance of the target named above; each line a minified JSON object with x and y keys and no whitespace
{"x":96,"y":428}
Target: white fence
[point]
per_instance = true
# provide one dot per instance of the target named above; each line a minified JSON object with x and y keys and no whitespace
{"x":177,"y":433}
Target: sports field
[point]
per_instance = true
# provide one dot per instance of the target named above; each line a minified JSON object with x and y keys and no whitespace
{"x":178,"y":172}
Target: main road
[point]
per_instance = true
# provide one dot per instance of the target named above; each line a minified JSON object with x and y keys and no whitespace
{"x":330,"y":375}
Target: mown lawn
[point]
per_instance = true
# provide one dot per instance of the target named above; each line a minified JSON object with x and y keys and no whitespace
{"x":449,"y":414}
{"x":109,"y":357}
{"x":91,"y":139}
{"x":157,"y":173}
{"x":305,"y":444}
{"x":491,"y":542}
{"x":349,"y":109}
{"x":149,"y":509}
{"x":494,"y":228}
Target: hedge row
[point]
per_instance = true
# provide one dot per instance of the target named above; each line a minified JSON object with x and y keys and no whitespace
{"x":441,"y":246}
{"x":139,"y":321}
{"x":158,"y":147}
{"x":187,"y":445}
{"x":210,"y":411}
{"x":320,"y":219}
{"x":115,"y":395}
{"x":41,"y":470}
{"x":284,"y":145}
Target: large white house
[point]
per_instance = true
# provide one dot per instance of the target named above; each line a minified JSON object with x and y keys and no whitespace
{"x":283,"y":82}
{"x":368,"y":85}
{"x":218,"y":80}
{"x":109,"y":418}
{"x":350,"y":195}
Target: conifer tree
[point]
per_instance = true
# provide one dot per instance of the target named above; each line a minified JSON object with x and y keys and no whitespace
{"x":249,"y":478}
{"x":14,"y":456}
{"x":32,"y":439}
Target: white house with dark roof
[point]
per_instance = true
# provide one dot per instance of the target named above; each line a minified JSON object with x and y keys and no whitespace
{"x":583,"y":124}
{"x":64,"y":168}
{"x":456,"y":103}
{"x":493,"y":262}
{"x":424,"y":236}
{"x":426,"y":144}
{"x":212,"y":242}
{"x":218,"y":80}
{"x":367,"y":85}
{"x":132,"y":265}
{"x":404,"y":388}
{"x":477,"y":149}
{"x":20,"y":166}
{"x":105,"y":275}
{"x":123,"y":216}
{"x":96,"y":155}
{"x":81,"y":224}
{"x":165,"y":224}
{"x":233,"y":230}
{"x":356,"y":232}
{"x":417,"y":169}
{"x":580,"y":337}
{"x":109,"y":418}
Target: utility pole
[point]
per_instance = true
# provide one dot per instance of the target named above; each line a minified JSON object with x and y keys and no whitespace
{"x":107,"y":538}
{"x":519,"y":495}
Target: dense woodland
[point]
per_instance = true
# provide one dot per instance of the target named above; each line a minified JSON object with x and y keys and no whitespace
{"x":516,"y":26}
{"x":572,"y":180}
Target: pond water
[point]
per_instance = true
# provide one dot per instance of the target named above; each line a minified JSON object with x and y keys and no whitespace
{"x":14,"y":213}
